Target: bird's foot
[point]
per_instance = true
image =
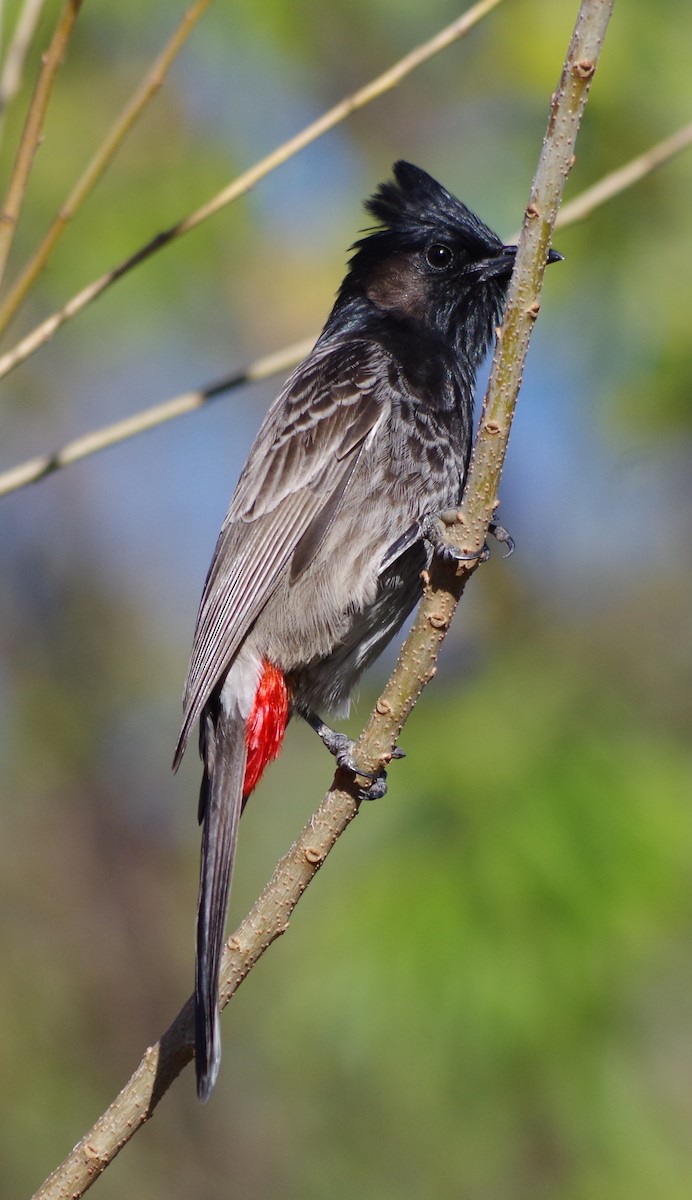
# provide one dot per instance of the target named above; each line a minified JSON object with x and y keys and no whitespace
{"x":343,"y":747}
{"x":434,"y":527}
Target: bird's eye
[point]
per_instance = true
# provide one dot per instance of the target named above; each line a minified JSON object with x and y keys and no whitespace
{"x":438,"y":255}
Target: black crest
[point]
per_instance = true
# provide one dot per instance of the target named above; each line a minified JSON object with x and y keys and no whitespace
{"x":414,"y":203}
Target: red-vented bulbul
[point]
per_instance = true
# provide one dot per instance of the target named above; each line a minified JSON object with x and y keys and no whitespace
{"x":335,"y":516}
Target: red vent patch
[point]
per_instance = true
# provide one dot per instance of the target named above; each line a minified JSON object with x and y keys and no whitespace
{"x":266,"y":726}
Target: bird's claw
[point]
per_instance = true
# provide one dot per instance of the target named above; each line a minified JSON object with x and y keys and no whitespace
{"x":433,"y":530}
{"x":450,"y":554}
{"x":345,"y":759}
{"x":342,"y":747}
{"x":501,"y":535}
{"x":378,"y":787}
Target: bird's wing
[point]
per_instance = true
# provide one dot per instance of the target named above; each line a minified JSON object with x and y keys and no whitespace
{"x":288,"y":493}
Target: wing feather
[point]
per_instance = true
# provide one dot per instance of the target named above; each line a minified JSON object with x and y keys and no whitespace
{"x":299,"y":465}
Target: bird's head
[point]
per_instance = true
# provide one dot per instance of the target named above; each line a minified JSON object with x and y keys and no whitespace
{"x":431,"y":262}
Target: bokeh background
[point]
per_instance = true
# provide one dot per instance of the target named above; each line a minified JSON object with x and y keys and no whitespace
{"x":486,"y":993}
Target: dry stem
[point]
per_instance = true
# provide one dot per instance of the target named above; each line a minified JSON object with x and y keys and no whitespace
{"x":90,"y":443}
{"x":13,"y":69}
{"x":33,"y":125}
{"x":625,"y":177}
{"x":93,"y":172}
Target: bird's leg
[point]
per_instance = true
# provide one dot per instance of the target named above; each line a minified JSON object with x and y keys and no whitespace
{"x":342,"y":747}
{"x":434,"y":526}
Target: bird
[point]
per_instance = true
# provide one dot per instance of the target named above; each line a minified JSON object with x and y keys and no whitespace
{"x":337,"y":513}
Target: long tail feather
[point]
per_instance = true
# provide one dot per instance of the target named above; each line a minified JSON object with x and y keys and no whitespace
{"x":221,"y":800}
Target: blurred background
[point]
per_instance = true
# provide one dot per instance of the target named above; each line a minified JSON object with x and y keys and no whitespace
{"x":486,"y":993}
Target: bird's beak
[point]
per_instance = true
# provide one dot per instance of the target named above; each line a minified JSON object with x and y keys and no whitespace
{"x":501,"y":264}
{"x":510,"y":252}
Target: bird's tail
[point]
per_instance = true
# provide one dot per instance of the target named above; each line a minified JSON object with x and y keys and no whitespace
{"x":235,"y":750}
{"x":223,"y":745}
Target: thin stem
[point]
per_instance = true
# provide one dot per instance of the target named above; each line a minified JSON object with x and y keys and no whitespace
{"x":385,"y":82}
{"x":31,"y":134}
{"x":13,"y":69}
{"x":625,"y":177}
{"x":90,"y":443}
{"x":150,"y":85}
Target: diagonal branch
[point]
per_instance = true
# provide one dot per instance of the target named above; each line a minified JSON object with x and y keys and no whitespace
{"x":626,"y":176}
{"x":13,"y":68}
{"x":94,"y":170}
{"x":377,"y":87}
{"x":31,"y":134}
{"x":87,"y":444}
{"x":270,"y":916}
{"x":90,"y":443}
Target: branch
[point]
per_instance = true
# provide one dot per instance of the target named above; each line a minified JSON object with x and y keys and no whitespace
{"x":578,"y":209}
{"x":45,"y":331}
{"x":13,"y":69}
{"x":270,"y":915}
{"x":90,"y":443}
{"x":632,"y":172}
{"x":148,"y":88}
{"x":31,"y":135}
